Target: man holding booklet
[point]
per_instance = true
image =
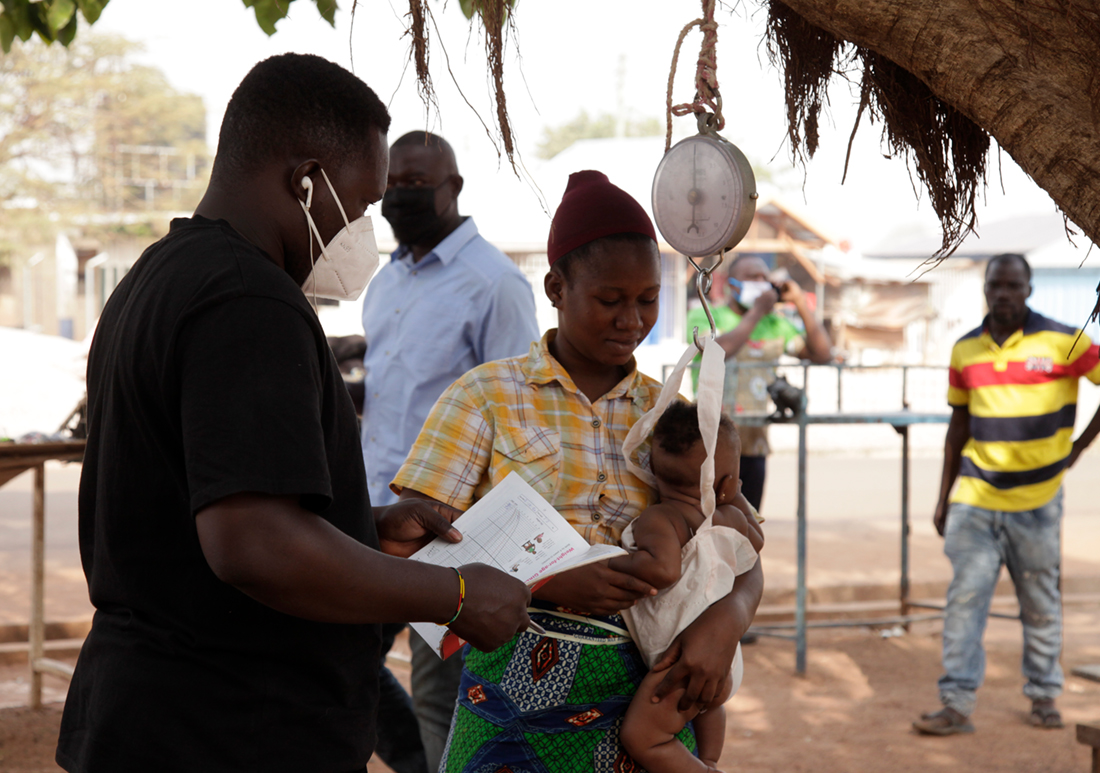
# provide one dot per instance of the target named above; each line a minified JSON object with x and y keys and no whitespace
{"x":517,"y":531}
{"x":226,"y":528}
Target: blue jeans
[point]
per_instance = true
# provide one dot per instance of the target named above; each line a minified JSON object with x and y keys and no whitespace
{"x":978,"y":542}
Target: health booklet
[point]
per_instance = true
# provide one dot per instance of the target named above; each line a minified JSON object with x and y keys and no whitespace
{"x":515,"y":530}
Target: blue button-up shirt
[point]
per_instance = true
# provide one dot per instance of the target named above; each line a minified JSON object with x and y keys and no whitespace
{"x":426,"y":324}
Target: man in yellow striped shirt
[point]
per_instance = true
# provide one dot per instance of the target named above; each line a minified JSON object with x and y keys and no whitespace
{"x":1014,"y":398}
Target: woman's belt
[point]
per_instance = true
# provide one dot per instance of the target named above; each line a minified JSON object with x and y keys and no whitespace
{"x":582,"y":629}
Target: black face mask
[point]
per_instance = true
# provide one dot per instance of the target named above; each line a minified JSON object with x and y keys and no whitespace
{"x":411,"y":213}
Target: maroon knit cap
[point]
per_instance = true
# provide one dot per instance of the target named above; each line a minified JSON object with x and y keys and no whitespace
{"x":591,"y":209}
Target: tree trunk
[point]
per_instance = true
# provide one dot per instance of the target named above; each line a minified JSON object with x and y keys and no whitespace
{"x":1026,"y":72}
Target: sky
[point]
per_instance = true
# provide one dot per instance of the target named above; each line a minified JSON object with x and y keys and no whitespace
{"x":569,"y":55}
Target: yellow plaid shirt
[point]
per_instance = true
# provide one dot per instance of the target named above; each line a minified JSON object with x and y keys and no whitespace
{"x":526,"y":414}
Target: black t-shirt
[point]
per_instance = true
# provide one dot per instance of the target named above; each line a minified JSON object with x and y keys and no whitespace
{"x":210,"y":375}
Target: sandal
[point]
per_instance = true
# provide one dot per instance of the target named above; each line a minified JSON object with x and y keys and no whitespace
{"x":1045,"y":715}
{"x":946,"y":721}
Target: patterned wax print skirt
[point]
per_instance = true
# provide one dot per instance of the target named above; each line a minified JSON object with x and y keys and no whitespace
{"x":549,"y":704}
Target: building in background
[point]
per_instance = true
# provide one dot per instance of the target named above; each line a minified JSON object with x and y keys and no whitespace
{"x":883,"y":307}
{"x":97,"y":153}
{"x":1065,"y":272}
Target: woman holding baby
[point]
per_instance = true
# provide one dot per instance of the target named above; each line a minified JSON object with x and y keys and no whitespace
{"x":558,"y":417}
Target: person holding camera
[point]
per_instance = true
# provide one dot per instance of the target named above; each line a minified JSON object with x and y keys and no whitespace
{"x":751,"y":332}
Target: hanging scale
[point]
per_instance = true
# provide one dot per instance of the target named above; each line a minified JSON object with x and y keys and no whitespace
{"x":704,"y":192}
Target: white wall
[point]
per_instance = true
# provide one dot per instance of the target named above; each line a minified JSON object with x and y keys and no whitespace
{"x":1067,"y":295}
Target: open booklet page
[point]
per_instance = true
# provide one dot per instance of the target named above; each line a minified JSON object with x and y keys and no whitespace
{"x":517,"y":531}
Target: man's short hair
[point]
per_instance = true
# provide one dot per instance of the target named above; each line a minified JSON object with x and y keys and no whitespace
{"x":297,"y":105}
{"x":1005,"y":257}
{"x":425,"y":139}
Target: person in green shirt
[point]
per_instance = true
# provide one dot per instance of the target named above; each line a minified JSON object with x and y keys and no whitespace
{"x":751,"y":332}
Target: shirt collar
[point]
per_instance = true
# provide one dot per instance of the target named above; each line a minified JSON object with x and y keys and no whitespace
{"x":1032,"y":324}
{"x":541,"y":368}
{"x":446,"y":251}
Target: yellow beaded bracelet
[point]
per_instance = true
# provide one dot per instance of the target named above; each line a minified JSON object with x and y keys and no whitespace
{"x":461,"y":596}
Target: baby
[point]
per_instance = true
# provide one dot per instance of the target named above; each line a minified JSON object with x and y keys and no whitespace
{"x":693,"y":560}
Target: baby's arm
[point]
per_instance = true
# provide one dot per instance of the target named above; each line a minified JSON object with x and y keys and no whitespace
{"x":736,"y":517}
{"x":658,"y":539}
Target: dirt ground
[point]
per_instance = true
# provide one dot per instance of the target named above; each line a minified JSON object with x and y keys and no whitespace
{"x":850,"y":713}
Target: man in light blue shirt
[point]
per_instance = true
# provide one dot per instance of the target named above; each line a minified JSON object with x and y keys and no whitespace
{"x":446,"y":302}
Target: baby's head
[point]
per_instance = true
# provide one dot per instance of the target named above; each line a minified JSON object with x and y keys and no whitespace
{"x":677,"y":453}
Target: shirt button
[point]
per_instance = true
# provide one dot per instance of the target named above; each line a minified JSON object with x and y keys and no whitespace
{"x":601,"y":477}
{"x":595,"y":516}
{"x":397,"y":311}
{"x":414,"y":272}
{"x":595,"y":422}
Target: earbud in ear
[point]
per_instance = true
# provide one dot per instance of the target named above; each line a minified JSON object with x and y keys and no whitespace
{"x":308,"y":185}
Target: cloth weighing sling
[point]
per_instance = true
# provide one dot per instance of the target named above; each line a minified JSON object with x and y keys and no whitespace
{"x":556,"y":702}
{"x":715,"y":554}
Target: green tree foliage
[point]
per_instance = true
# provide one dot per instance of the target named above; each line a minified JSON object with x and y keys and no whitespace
{"x":268,"y":12}
{"x":57,"y":20}
{"x":555,"y":139}
{"x":51,"y":19}
{"x":87,"y":135}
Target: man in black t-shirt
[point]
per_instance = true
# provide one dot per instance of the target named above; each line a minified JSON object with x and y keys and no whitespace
{"x":225,"y":526}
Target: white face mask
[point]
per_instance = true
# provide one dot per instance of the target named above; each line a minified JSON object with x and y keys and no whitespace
{"x":750,"y":291}
{"x":347,"y":262}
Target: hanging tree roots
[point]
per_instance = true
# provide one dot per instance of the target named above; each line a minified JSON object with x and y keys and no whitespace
{"x":946,"y":149}
{"x":496,"y":19}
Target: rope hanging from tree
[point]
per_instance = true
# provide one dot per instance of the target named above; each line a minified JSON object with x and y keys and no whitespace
{"x":706,"y":75}
{"x":706,"y":96}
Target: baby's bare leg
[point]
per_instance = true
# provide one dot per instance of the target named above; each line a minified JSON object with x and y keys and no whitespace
{"x":710,"y":734}
{"x":649,"y":731}
{"x":710,"y":727}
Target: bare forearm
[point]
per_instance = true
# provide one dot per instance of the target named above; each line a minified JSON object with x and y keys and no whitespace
{"x":732,"y":341}
{"x":701,"y":656}
{"x":737,"y":518}
{"x":950,"y":474}
{"x":958,"y":433}
{"x":1090,"y":433}
{"x":660,"y":572}
{"x":300,"y":564}
{"x":739,"y":605}
{"x":819,"y":347}
{"x":332,"y":578}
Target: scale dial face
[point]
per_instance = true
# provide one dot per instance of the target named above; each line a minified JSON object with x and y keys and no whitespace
{"x":704,"y":196}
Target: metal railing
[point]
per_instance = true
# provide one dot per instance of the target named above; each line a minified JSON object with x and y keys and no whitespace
{"x":901,"y":418}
